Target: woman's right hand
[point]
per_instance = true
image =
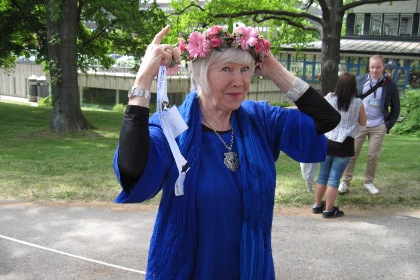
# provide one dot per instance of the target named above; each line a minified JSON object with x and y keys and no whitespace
{"x":157,"y":54}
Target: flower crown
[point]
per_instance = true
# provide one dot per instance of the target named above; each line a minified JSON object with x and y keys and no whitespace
{"x":199,"y":44}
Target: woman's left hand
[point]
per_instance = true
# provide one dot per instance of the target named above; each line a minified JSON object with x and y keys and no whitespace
{"x":273,"y":70}
{"x":269,"y":64}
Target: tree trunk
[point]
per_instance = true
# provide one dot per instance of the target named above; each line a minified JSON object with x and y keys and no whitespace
{"x":62,"y":29}
{"x":330,"y":48}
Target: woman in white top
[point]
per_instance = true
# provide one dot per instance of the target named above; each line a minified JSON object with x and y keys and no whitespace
{"x":340,"y":144}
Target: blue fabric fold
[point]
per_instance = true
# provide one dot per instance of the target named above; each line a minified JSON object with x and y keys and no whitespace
{"x":258,"y":196}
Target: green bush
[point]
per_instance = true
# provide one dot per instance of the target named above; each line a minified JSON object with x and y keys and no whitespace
{"x":121,"y":108}
{"x":282,"y":104}
{"x":118,"y":108}
{"x":410,"y":114}
{"x":45,"y":102}
{"x":152,"y":107}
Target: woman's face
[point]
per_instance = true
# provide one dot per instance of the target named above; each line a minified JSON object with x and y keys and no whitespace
{"x":228,"y":84}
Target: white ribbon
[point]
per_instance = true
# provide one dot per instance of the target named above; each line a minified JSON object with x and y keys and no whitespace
{"x":172,"y":125}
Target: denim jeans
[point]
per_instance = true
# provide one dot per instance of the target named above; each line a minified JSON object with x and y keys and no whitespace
{"x":331,"y":170}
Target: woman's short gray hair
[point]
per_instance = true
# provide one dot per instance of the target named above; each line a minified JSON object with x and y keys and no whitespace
{"x":199,"y":68}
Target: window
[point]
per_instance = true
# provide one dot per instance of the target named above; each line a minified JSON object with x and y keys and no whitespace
{"x":308,"y":71}
{"x":353,"y":65}
{"x":359,"y":25}
{"x":386,"y":25}
{"x":296,"y":64}
{"x":342,"y":68}
{"x":419,"y":28}
{"x":376,"y":25}
{"x":406,"y":23}
{"x":390,"y":25}
{"x":283,"y":57}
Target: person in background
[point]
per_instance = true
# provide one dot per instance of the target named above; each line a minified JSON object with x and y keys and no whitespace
{"x":340,"y":144}
{"x":382,"y":110}
{"x":219,"y":227}
{"x":308,"y":173}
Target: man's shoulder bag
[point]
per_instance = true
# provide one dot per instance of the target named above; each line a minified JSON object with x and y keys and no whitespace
{"x":379,"y":84}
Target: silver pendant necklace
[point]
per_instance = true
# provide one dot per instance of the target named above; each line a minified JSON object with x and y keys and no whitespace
{"x":231,"y":158}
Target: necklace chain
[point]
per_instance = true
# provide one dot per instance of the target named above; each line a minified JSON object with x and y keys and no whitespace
{"x":231,"y":159}
{"x":218,"y":135}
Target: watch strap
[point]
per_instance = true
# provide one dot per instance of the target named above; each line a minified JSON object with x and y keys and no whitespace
{"x":136,"y":91}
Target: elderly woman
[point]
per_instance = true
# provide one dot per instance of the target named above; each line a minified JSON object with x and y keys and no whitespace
{"x":220,"y":228}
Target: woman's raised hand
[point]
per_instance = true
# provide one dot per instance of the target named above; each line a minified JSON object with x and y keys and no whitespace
{"x":158,"y":54}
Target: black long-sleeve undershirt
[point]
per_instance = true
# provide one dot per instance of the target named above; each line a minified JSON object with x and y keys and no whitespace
{"x":134,"y":143}
{"x":325,"y":117}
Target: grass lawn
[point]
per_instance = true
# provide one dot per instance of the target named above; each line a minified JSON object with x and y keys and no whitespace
{"x":38,"y":164}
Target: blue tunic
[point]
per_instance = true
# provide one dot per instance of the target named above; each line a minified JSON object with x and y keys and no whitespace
{"x":212,"y":249}
{"x":219,"y":204}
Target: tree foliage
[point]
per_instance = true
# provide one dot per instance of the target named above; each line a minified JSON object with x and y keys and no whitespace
{"x":57,"y":33}
{"x":189,"y":16}
{"x":287,"y":21}
{"x":22,"y":29}
{"x":124,"y":26}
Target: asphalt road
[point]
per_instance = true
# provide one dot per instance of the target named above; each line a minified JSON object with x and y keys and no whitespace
{"x":109,"y":241}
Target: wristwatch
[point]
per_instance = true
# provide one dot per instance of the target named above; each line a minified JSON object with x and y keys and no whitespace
{"x":135,"y":91}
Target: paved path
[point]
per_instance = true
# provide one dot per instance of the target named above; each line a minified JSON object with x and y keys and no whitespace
{"x":17,"y":99}
{"x":109,"y":241}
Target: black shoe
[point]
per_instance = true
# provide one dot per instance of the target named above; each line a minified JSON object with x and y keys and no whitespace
{"x":317,"y":209}
{"x":333,"y":213}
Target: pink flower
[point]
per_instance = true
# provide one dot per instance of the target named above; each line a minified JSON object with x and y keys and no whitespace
{"x":266,"y":45}
{"x":214,"y":30}
{"x":181,"y":45}
{"x":215,"y":42}
{"x":249,"y":36}
{"x":197,"y":45}
{"x":258,"y":47}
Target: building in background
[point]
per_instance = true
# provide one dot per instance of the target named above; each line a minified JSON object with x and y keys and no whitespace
{"x":393,"y":31}
{"x":390,"y":30}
